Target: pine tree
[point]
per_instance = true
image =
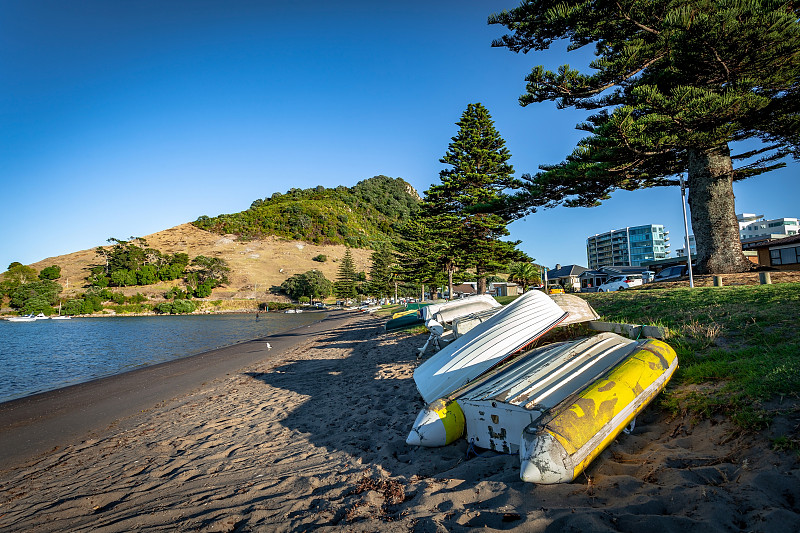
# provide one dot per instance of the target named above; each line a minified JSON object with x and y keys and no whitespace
{"x":381,"y":278}
{"x":466,"y":209}
{"x":416,"y":256}
{"x":675,"y":83}
{"x":345,"y":285}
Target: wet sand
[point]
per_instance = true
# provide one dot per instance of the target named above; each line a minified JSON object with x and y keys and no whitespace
{"x":311,"y":436}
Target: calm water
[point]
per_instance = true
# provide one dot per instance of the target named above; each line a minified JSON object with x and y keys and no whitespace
{"x":49,"y":354}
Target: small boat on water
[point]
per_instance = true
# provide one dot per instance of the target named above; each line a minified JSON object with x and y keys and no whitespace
{"x":59,"y":316}
{"x":557,"y":406}
{"x":488,"y":344}
{"x":24,"y":318}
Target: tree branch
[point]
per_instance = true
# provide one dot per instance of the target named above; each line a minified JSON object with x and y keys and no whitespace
{"x":637,"y":24}
{"x":602,"y":88}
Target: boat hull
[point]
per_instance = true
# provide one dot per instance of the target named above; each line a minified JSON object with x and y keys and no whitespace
{"x":487,"y":345}
{"x":405,"y":321}
{"x":446,"y":312}
{"x":559,"y":447}
{"x":558,"y":406}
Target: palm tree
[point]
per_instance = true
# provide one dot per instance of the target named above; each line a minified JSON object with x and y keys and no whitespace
{"x":525,"y":274}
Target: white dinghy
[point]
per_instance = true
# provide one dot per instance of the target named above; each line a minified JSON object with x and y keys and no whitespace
{"x":487,"y":345}
{"x":439,"y":317}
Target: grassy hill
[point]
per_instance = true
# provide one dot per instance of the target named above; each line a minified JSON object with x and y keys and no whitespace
{"x":275,"y":238}
{"x":256,"y":265}
{"x":362,"y":216}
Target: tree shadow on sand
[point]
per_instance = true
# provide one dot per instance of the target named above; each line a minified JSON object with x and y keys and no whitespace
{"x":362,"y":400}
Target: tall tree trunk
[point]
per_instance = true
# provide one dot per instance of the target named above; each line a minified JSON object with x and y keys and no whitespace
{"x":481,"y":284}
{"x":716,"y":230}
{"x":450,"y":283}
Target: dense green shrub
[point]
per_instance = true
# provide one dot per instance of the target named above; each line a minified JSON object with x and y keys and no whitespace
{"x":275,"y":306}
{"x":42,"y":294}
{"x":137,"y":298}
{"x":129,"y":263}
{"x":311,"y":284}
{"x":176,"y":307}
{"x":118,"y":298}
{"x":176,"y":293}
{"x":130,"y":308}
{"x":203,"y":290}
{"x":72,"y":307}
{"x":51,"y":272}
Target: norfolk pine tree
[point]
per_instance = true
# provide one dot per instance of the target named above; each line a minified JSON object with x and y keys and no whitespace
{"x":675,"y":83}
{"x":345,"y":284}
{"x":381,"y":278}
{"x":466,"y":206}
{"x":417,"y":253}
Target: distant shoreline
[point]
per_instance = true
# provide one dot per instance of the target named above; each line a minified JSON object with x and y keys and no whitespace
{"x":223,"y":312}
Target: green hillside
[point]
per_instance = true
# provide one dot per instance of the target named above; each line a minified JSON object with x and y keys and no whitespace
{"x":361,"y":216}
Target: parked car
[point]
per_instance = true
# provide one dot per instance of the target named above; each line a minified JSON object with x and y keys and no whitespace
{"x":647,"y":276}
{"x":618,"y":283}
{"x":673,"y":272}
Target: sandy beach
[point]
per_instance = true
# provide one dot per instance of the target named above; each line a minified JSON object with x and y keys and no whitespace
{"x":310,"y":435}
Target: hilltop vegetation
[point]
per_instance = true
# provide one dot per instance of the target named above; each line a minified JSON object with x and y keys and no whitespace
{"x":362,"y":216}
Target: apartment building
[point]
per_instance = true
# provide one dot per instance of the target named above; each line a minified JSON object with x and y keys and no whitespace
{"x":754,"y":229}
{"x":631,"y":246}
{"x":681,"y":252}
{"x":753,"y":226}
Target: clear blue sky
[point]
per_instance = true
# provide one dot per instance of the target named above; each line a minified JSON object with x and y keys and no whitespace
{"x":124,"y":118}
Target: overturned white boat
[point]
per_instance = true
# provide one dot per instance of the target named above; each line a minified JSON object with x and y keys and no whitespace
{"x":447,"y":311}
{"x":487,"y":345}
{"x":557,"y":406}
{"x":439,"y":317}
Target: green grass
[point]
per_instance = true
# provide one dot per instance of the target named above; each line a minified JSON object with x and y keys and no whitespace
{"x":738,"y":347}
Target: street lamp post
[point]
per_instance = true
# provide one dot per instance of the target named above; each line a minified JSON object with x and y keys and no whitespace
{"x":686,"y":231}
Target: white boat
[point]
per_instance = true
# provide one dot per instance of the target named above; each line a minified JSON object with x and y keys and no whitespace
{"x":487,"y":345}
{"x":42,"y":316}
{"x":59,"y":316}
{"x":23,"y":318}
{"x":439,"y":318}
{"x":446,"y":312}
{"x":557,"y":406}
{"x":579,"y":311}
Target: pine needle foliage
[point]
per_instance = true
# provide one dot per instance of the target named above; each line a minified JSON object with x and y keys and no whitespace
{"x":345,"y":285}
{"x":675,"y":84}
{"x":466,"y":209}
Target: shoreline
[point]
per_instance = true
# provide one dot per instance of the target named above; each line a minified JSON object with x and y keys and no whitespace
{"x":193,"y":313}
{"x":313,"y":438}
{"x":173,"y":351}
{"x":40,"y":422}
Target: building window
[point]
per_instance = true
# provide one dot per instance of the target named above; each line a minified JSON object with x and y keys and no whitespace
{"x":784,"y":256}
